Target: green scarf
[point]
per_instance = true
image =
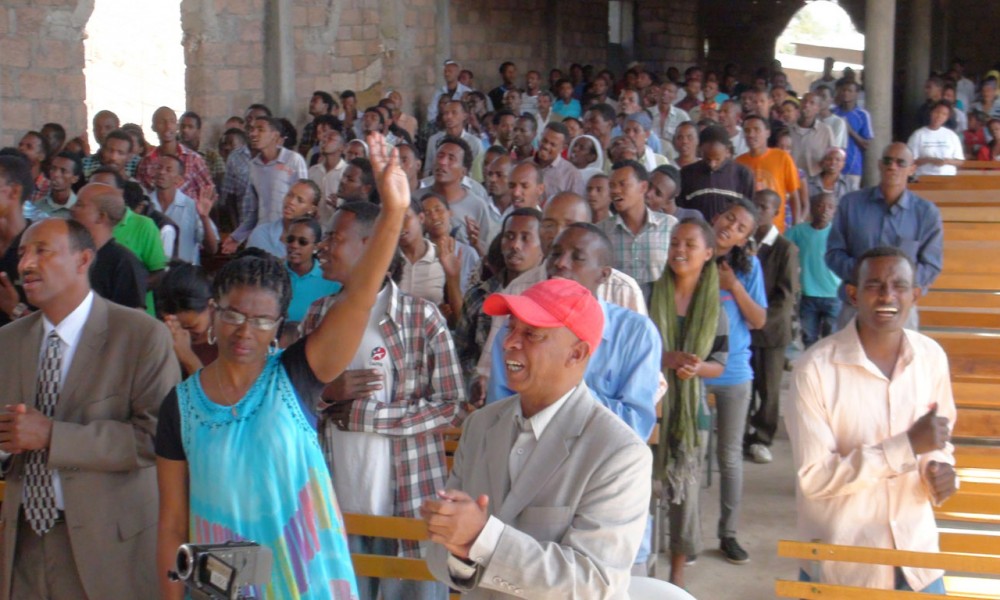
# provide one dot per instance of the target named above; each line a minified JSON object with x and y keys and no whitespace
{"x":677,"y":450}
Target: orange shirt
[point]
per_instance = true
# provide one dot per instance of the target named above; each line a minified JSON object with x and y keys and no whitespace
{"x":773,"y":170}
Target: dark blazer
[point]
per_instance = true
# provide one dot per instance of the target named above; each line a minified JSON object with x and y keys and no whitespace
{"x":102,"y":444}
{"x":780,"y":263}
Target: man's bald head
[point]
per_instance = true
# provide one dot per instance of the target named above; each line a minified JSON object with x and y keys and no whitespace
{"x":108,"y":200}
{"x":560,"y":212}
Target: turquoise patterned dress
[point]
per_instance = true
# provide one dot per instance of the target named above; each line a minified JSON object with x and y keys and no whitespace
{"x":257,"y":473}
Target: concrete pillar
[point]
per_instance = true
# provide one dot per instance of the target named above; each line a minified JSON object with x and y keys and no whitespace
{"x":443,"y":30}
{"x":279,"y":57}
{"x":918,"y":61}
{"x":553,"y":25}
{"x":880,"y":30}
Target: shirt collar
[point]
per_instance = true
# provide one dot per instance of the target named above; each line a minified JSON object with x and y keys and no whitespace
{"x":772,"y":234}
{"x":849,"y":350}
{"x":540,"y":421}
{"x":180,"y":199}
{"x":51,"y":206}
{"x":904,"y":203}
{"x":653,"y":219}
{"x":70,"y":328}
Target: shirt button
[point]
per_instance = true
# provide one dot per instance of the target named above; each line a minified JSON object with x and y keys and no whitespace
{"x":520,"y":450}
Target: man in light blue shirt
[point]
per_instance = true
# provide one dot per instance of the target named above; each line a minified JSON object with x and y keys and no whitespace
{"x":887,"y":215}
{"x":194,"y":226}
{"x":623,"y":373}
{"x":453,"y":88}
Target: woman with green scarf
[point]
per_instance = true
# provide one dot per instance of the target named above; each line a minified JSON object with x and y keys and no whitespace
{"x":685,"y":308}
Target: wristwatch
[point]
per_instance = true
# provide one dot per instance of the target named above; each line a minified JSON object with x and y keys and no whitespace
{"x":19,"y":311}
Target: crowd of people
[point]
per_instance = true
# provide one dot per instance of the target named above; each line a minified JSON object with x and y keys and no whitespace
{"x":539,"y":265}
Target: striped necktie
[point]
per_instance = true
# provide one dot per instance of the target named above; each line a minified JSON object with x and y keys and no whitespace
{"x":39,"y":493}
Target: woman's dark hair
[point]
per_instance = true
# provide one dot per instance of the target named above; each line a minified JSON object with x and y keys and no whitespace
{"x":312,"y":224}
{"x":184,"y":287}
{"x":739,"y":257}
{"x":254,"y":267}
{"x":707,"y":233}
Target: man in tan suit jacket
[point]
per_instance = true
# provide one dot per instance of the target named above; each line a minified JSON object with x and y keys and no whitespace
{"x":98,"y":442}
{"x":550,"y":490}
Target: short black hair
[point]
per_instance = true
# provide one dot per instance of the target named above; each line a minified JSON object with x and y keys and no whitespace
{"x":347,"y":94}
{"x":752,"y":116}
{"x":259,"y":106}
{"x":288,"y":132}
{"x":119,"y":180}
{"x":118,"y":134}
{"x":180,"y":163}
{"x":79,"y":237}
{"x":257,"y":270}
{"x":640,"y":171}
{"x":605,"y":110}
{"x":882,"y":252}
{"x":530,"y":118}
{"x":505,"y":112}
{"x":184,"y":287}
{"x":367,"y":176}
{"x":311,"y":223}
{"x":75,"y":159}
{"x":670,"y":171}
{"x":330,"y":121}
{"x":44,"y":141}
{"x":134,"y":195}
{"x":238,"y":133}
{"x":365,"y":214}
{"x":559,"y":128}
{"x":15,"y":170}
{"x":607,"y":255}
{"x":466,"y":149}
{"x":707,"y":233}
{"x":190,"y":114}
{"x":504,"y":65}
{"x":59,"y":130}
{"x":524,"y":211}
{"x":326,"y":97}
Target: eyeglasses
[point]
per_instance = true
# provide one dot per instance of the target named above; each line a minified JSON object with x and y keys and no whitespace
{"x":234,"y":317}
{"x":291,"y":239}
{"x":899,"y":162}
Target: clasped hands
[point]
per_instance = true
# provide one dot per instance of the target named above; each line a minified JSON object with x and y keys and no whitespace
{"x":454,"y":519}
{"x":24,"y":428}
{"x":930,"y":432}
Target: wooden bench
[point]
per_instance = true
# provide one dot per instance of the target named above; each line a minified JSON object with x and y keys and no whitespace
{"x":390,"y":567}
{"x":949,"y":561}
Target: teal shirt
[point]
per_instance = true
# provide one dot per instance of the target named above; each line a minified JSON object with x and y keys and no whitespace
{"x":818,"y":281}
{"x":308,"y":288}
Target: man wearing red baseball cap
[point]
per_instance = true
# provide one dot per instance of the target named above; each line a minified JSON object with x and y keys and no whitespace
{"x":549,"y":492}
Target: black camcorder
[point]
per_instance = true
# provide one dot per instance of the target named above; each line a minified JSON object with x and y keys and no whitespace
{"x":220,"y":571}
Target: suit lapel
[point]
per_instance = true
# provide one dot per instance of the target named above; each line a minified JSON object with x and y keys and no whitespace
{"x":549,"y":454}
{"x":498,"y":440}
{"x":86,"y":358}
{"x":29,"y":361}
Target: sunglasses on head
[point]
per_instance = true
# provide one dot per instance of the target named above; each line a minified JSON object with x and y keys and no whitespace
{"x":900,"y":162}
{"x":291,"y":239}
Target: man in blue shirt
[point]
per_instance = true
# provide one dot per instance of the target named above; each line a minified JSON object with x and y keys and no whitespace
{"x":887,"y":215}
{"x":624,"y":372}
{"x":859,"y":130}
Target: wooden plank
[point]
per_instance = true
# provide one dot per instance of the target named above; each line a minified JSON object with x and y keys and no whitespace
{"x":970,"y":354}
{"x":823,"y":591}
{"x":950,"y":561}
{"x":962,"y":197}
{"x":986,"y":165}
{"x":954,"y":182}
{"x":975,"y":394}
{"x":970,"y":508}
{"x":980,"y":423}
{"x":399,"y":528}
{"x":969,"y":214}
{"x":971,"y":232}
{"x":943,"y":298}
{"x":977,"y":457}
{"x":976,"y":587}
{"x":973,"y":542}
{"x":963,"y":317}
{"x":371,"y":565}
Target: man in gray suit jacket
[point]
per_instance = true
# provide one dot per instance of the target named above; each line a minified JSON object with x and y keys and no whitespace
{"x":550,"y":490}
{"x":83,"y":380}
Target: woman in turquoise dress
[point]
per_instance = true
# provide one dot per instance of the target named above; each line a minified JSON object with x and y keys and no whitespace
{"x":238,"y":457}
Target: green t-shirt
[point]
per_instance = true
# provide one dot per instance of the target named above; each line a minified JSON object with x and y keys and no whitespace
{"x":141,"y":235}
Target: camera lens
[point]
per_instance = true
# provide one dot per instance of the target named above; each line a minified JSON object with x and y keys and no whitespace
{"x":185,"y":561}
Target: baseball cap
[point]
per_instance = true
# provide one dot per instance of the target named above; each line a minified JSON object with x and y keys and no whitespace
{"x":551,"y":304}
{"x":451,"y":62}
{"x":642,"y":119}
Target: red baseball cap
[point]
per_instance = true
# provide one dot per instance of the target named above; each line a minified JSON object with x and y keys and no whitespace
{"x":554,"y":303}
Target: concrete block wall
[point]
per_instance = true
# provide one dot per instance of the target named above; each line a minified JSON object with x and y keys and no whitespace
{"x":668,"y":34}
{"x":41,"y":66}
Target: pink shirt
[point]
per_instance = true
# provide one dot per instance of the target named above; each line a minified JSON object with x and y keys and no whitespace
{"x":858,"y":481}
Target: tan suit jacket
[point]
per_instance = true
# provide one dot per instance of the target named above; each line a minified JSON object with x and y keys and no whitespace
{"x":102,"y":444}
{"x":574,"y":518}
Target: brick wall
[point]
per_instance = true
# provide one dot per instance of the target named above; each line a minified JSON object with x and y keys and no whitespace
{"x":41,"y":65}
{"x":667,"y":34}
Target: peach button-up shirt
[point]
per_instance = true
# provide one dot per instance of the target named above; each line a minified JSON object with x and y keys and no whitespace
{"x":858,"y":480}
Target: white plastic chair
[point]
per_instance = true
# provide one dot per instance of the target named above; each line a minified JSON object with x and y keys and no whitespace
{"x":647,"y":588}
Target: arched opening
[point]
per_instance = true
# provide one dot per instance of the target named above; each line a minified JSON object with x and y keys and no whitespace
{"x":820,"y":29}
{"x":134,"y":61}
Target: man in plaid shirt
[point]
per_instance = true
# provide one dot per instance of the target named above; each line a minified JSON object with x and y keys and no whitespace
{"x":381,"y":433}
{"x":196,"y":174}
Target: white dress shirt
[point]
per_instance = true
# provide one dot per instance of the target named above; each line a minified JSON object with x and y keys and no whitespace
{"x":858,"y":481}
{"x":69,"y":331}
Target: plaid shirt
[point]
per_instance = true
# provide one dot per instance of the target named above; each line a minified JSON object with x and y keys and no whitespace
{"x":93,"y":162}
{"x":216,"y":166}
{"x":642,"y":256}
{"x":41,"y":189}
{"x":473,"y":325}
{"x":237,"y":179}
{"x":196,"y":174}
{"x":428,"y":397}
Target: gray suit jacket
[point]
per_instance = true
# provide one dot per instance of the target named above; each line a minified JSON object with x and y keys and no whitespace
{"x":576,"y":515}
{"x":102,"y":444}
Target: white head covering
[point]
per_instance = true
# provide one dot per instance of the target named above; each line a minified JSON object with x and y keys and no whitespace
{"x":595,"y":167}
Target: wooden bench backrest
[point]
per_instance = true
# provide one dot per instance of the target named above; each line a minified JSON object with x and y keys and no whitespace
{"x":957,"y":182}
{"x":395,"y":567}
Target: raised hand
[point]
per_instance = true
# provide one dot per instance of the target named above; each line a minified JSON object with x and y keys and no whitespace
{"x":449,"y":257}
{"x":472,"y":231}
{"x":206,"y":200}
{"x":929,"y":433}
